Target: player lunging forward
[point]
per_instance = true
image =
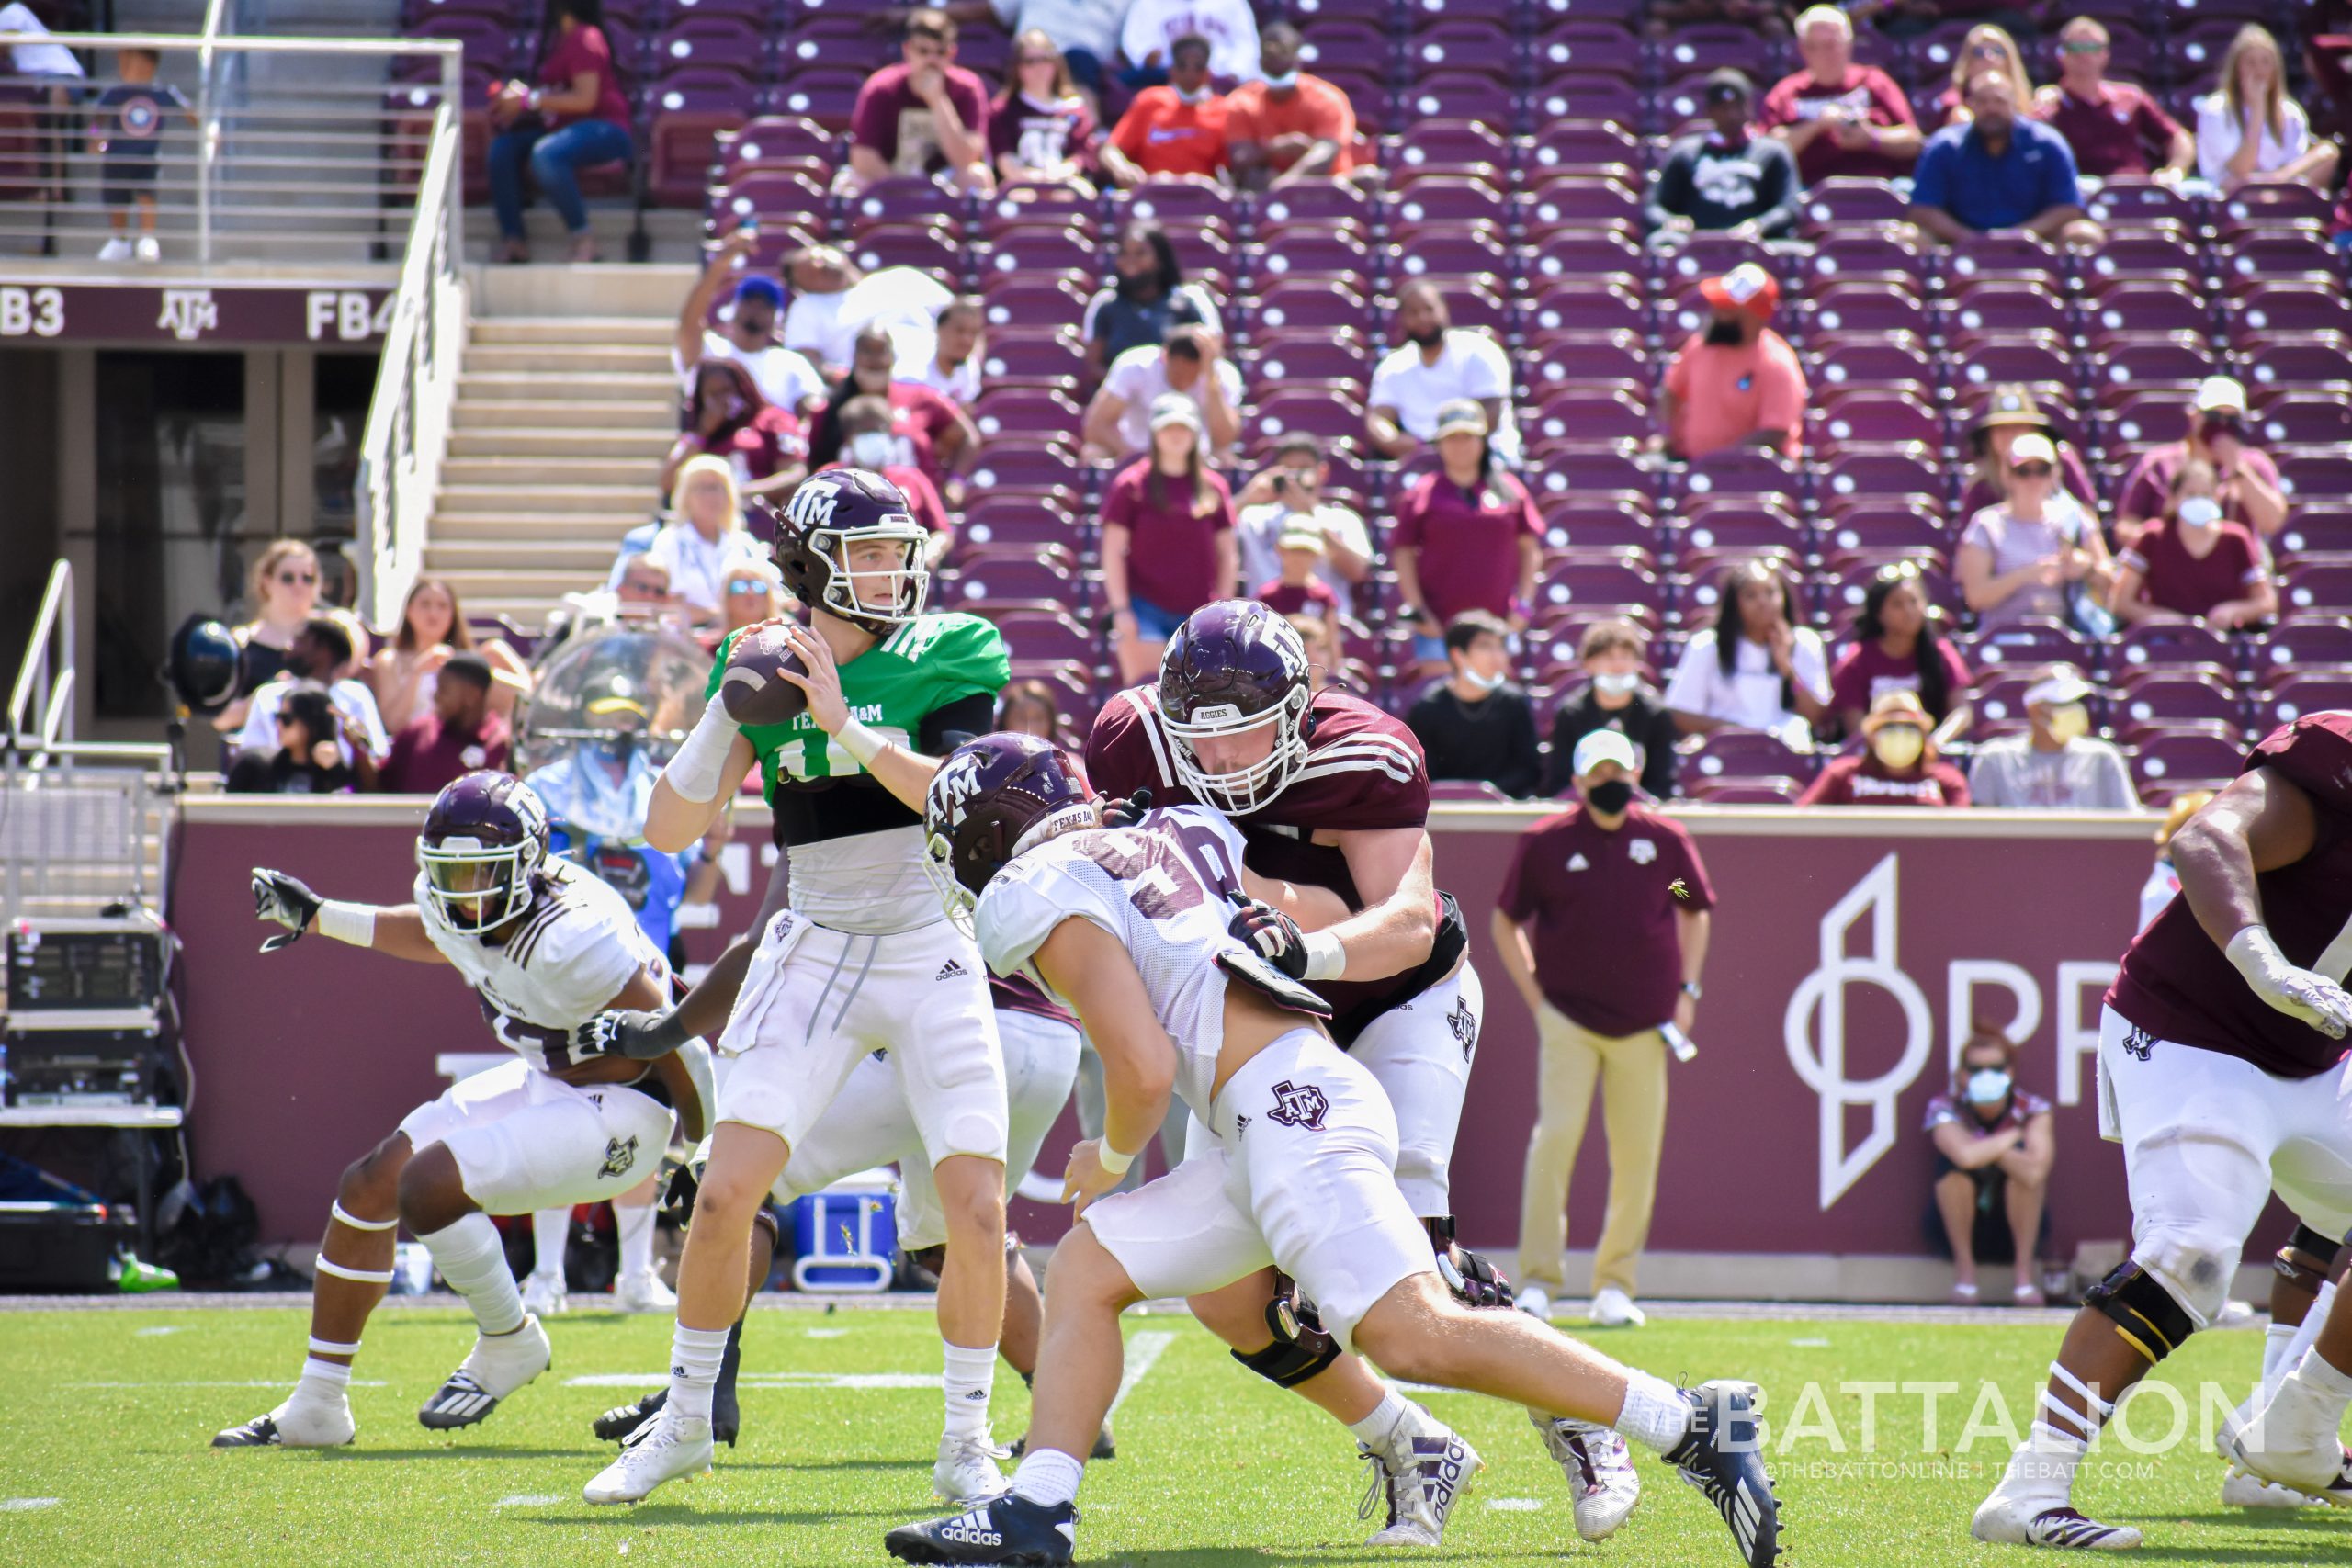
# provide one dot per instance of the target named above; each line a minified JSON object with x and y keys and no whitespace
{"x":1134,"y":927}
{"x":862,"y":959}
{"x":2219,"y":1056}
{"x":546,"y":946}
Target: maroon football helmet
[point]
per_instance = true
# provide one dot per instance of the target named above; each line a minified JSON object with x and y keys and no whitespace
{"x":831,"y":513}
{"x":1232,"y":667}
{"x":992,"y":799}
{"x":484,"y":839}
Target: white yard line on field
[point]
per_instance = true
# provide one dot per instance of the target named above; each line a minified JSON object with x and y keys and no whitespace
{"x":202,"y":1382}
{"x":530,"y":1500}
{"x":1514,"y":1505}
{"x":26,"y":1504}
{"x":1143,"y":1350}
{"x":158,"y":1330}
{"x":867,"y":1380}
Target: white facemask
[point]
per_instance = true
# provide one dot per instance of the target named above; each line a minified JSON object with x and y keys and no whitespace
{"x":1197,"y":95}
{"x":1988,"y":1086}
{"x":872,"y":449}
{"x":2199,"y":511}
{"x":1283,"y":83}
{"x":1618,"y":686}
{"x":1483,"y":683}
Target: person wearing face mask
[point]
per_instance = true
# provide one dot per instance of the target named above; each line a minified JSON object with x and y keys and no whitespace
{"x":1437,"y":363}
{"x":1291,"y":127}
{"x":868,"y":442}
{"x":1732,"y":178}
{"x":1177,"y":130}
{"x":2192,"y":564}
{"x":1897,"y":765}
{"x":1602,"y":927}
{"x":1734,"y":382}
{"x":2057,"y":765}
{"x":725,"y":417}
{"x":1615,"y":695}
{"x":2219,"y":433}
{"x":933,"y":433}
{"x":1474,"y":724}
{"x":1995,"y":1142}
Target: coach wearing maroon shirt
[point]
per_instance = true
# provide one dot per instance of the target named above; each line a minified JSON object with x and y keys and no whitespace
{"x":1602,"y":926}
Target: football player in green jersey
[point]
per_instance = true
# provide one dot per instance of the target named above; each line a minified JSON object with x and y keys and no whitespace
{"x":861,"y":959}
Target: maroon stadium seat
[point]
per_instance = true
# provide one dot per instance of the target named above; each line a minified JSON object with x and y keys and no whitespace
{"x":2170,"y":701}
{"x":1746,"y":754}
{"x":2302,"y":693}
{"x":2172,"y":762}
{"x":1033,"y":522}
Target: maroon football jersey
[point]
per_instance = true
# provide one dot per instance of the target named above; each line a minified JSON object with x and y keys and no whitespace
{"x":1018,"y":993}
{"x":2176,"y":985}
{"x":1364,"y":771}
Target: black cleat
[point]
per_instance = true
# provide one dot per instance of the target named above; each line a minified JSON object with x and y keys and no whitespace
{"x":1007,"y":1530}
{"x":261,"y":1432}
{"x":616,"y":1425}
{"x":1723,"y":1456}
{"x":1106,"y":1447}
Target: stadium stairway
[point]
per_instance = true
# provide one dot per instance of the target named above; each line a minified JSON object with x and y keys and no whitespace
{"x":566,"y":403}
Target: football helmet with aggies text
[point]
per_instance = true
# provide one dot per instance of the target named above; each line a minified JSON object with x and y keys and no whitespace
{"x":484,"y":839}
{"x":824,"y":535}
{"x":1234,"y":668}
{"x":992,"y":799}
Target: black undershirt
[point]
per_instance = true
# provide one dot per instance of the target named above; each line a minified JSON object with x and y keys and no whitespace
{"x":816,"y":810}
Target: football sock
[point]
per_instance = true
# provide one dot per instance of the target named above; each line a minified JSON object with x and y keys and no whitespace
{"x":550,"y":1231}
{"x":2275,"y":1340}
{"x":2305,"y":1334}
{"x":2309,"y":1406}
{"x":2044,"y":1465}
{"x":1047,"y":1477}
{"x":471,"y":1258}
{"x":635,"y":1228}
{"x":1383,"y":1429}
{"x":1654,"y":1414}
{"x":328,"y":1381}
{"x":694,"y":1355}
{"x":969,"y":1377}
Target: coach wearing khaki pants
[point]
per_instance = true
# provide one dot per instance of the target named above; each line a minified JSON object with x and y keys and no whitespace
{"x":1603,"y":929}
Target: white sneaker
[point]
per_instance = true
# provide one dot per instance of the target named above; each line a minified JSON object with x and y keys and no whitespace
{"x":544,"y":1295}
{"x":2027,"y":1521}
{"x":298,"y":1424}
{"x":2244,"y":1489}
{"x":147,"y":250}
{"x":1612,"y":1308}
{"x":2289,"y":1447}
{"x":966,"y":1471}
{"x":644,"y":1292}
{"x":116,"y":249}
{"x":1535,"y":1301}
{"x":658,"y":1451}
{"x":1602,"y":1478}
{"x":1422,"y":1491}
{"x":494,"y":1367}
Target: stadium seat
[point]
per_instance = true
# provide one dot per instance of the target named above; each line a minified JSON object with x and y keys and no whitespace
{"x":2168,"y":763}
{"x":2170,"y":701}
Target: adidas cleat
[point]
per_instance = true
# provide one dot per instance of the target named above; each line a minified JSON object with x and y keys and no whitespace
{"x":494,"y":1367}
{"x":2320,"y":1469}
{"x":1602,"y":1479}
{"x":1421,"y":1495}
{"x":2020,"y":1521}
{"x":616,"y":1425}
{"x":660,"y":1451}
{"x":2244,"y":1489}
{"x":1105,"y":1444}
{"x":965,"y":1470}
{"x":290,"y":1427}
{"x":1723,"y":1456}
{"x":1007,"y":1530}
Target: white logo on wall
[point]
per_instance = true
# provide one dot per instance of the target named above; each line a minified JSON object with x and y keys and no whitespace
{"x":188,"y":312}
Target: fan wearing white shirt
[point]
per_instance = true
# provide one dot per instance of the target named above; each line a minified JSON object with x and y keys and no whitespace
{"x":952,"y":367}
{"x":746,"y":332}
{"x":320,"y":652}
{"x":2253,"y":98}
{"x":1437,"y":365}
{"x":833,"y":301}
{"x":1153,"y":27}
{"x":1774,"y":677}
{"x":704,"y":537}
{"x":1288,"y":494}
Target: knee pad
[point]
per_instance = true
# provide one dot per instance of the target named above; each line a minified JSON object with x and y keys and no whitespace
{"x":2195,"y":1264}
{"x":2144,"y":1309}
{"x":1300,"y":1350}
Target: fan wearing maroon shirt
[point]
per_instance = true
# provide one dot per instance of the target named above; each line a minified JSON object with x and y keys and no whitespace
{"x":460,"y":736}
{"x":1898,"y":765}
{"x":2220,"y":1053}
{"x":925,"y":115}
{"x":929,"y":432}
{"x":1837,"y":117}
{"x":2113,"y":126}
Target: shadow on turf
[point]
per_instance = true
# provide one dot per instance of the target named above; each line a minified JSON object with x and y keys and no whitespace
{"x":441,"y":1450}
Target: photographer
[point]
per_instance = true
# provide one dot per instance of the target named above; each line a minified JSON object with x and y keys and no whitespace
{"x":1287,"y":497}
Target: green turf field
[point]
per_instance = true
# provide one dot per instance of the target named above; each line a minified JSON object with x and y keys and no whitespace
{"x":109,"y":1413}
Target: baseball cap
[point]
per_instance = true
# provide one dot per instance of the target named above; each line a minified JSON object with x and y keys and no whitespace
{"x":1602,"y":746}
{"x":1895,"y":707}
{"x":1746,"y":286}
{"x":1300,"y":539}
{"x":2032,"y":447}
{"x":1725,"y":85}
{"x":1462,"y":413}
{"x":759,"y":286}
{"x":2220,"y":393}
{"x":2059,"y":684}
{"x":1175,"y":407}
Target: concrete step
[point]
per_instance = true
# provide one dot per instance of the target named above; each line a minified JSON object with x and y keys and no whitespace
{"x":561,"y":361}
{"x":553,"y":287}
{"x":506,"y":585}
{"x":508,"y":555}
{"x":587,"y":442}
{"x":512,"y":474}
{"x":652,"y":331}
{"x":648,"y":416}
{"x":472,"y":498}
{"x":522,"y":528}
{"x":607,"y":387}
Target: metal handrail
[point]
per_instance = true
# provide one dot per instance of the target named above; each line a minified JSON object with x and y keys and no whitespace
{"x":44,"y":681}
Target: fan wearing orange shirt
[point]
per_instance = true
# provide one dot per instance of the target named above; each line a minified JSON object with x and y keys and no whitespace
{"x":1291,"y":127}
{"x":1176,"y":129}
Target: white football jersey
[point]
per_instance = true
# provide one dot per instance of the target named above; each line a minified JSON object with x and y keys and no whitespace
{"x":1165,"y":889}
{"x":578,"y":945}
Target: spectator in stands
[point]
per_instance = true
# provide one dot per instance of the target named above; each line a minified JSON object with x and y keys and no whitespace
{"x":2219,"y":433}
{"x":833,"y":301}
{"x":572,"y":115}
{"x":1434,"y":366}
{"x":126,"y":132}
{"x":1468,"y":537}
{"x":755,"y":593}
{"x":1897,"y":766}
{"x":2164,"y":881}
{"x":1297,"y":588}
{"x":1615,"y":697}
{"x":926,"y":116}
{"x":2000,"y":174}
{"x":704,"y":537}
{"x":1031,"y":707}
{"x":2039,"y":554}
{"x":746,"y":331}
{"x":1734,"y":382}
{"x":2114,"y":127}
{"x":1292,"y":126}
{"x":322,"y":655}
{"x":1475,"y":725}
{"x":1042,"y":130}
{"x":432,"y":627}
{"x":1898,"y":646}
{"x":458,"y":737}
{"x":2193,"y":564}
{"x":1287,"y":495}
{"x":1175,"y":131}
{"x":952,"y":366}
{"x":869,"y":441}
{"x":1602,"y":927}
{"x":1994,"y":1145}
{"x":1837,"y":117}
{"x":1167,"y":538}
{"x":1085,"y":31}
{"x":929,"y":432}
{"x":1191,"y":365}
{"x":1733,"y":179}
{"x":1758,"y":667}
{"x":644,"y":593}
{"x":1987,"y":48}
{"x":1156,"y":31}
{"x":1147,"y":295}
{"x":2008,"y":414}
{"x":304,"y":754}
{"x":1323,"y":658}
{"x":725,"y":417}
{"x":2250,"y":132}
{"x":285,"y":591}
{"x":2057,"y":766}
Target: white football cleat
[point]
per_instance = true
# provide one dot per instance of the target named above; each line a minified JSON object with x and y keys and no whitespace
{"x":1602,"y":1478}
{"x":147,"y":250}
{"x":2312,"y":1462}
{"x":965,"y":1470}
{"x":660,"y":1450}
{"x":2030,"y":1521}
{"x":2244,"y":1489}
{"x":1421,"y":1495}
{"x":1612,"y":1308}
{"x":298,"y":1424}
{"x":494,"y":1367}
{"x":116,"y":249}
{"x":544,"y":1296}
{"x":1535,"y":1301}
{"x":644,"y":1292}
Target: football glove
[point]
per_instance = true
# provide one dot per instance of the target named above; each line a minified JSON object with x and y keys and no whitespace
{"x":640,"y":1036}
{"x":1270,"y":934}
{"x":1473,"y":1278}
{"x":1128,"y":812}
{"x":283,"y":899}
{"x":2299,"y":993}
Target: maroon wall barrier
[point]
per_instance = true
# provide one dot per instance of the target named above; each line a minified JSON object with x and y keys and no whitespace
{"x":1850,"y":949}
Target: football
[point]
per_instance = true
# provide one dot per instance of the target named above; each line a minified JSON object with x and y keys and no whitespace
{"x":754,"y":689}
